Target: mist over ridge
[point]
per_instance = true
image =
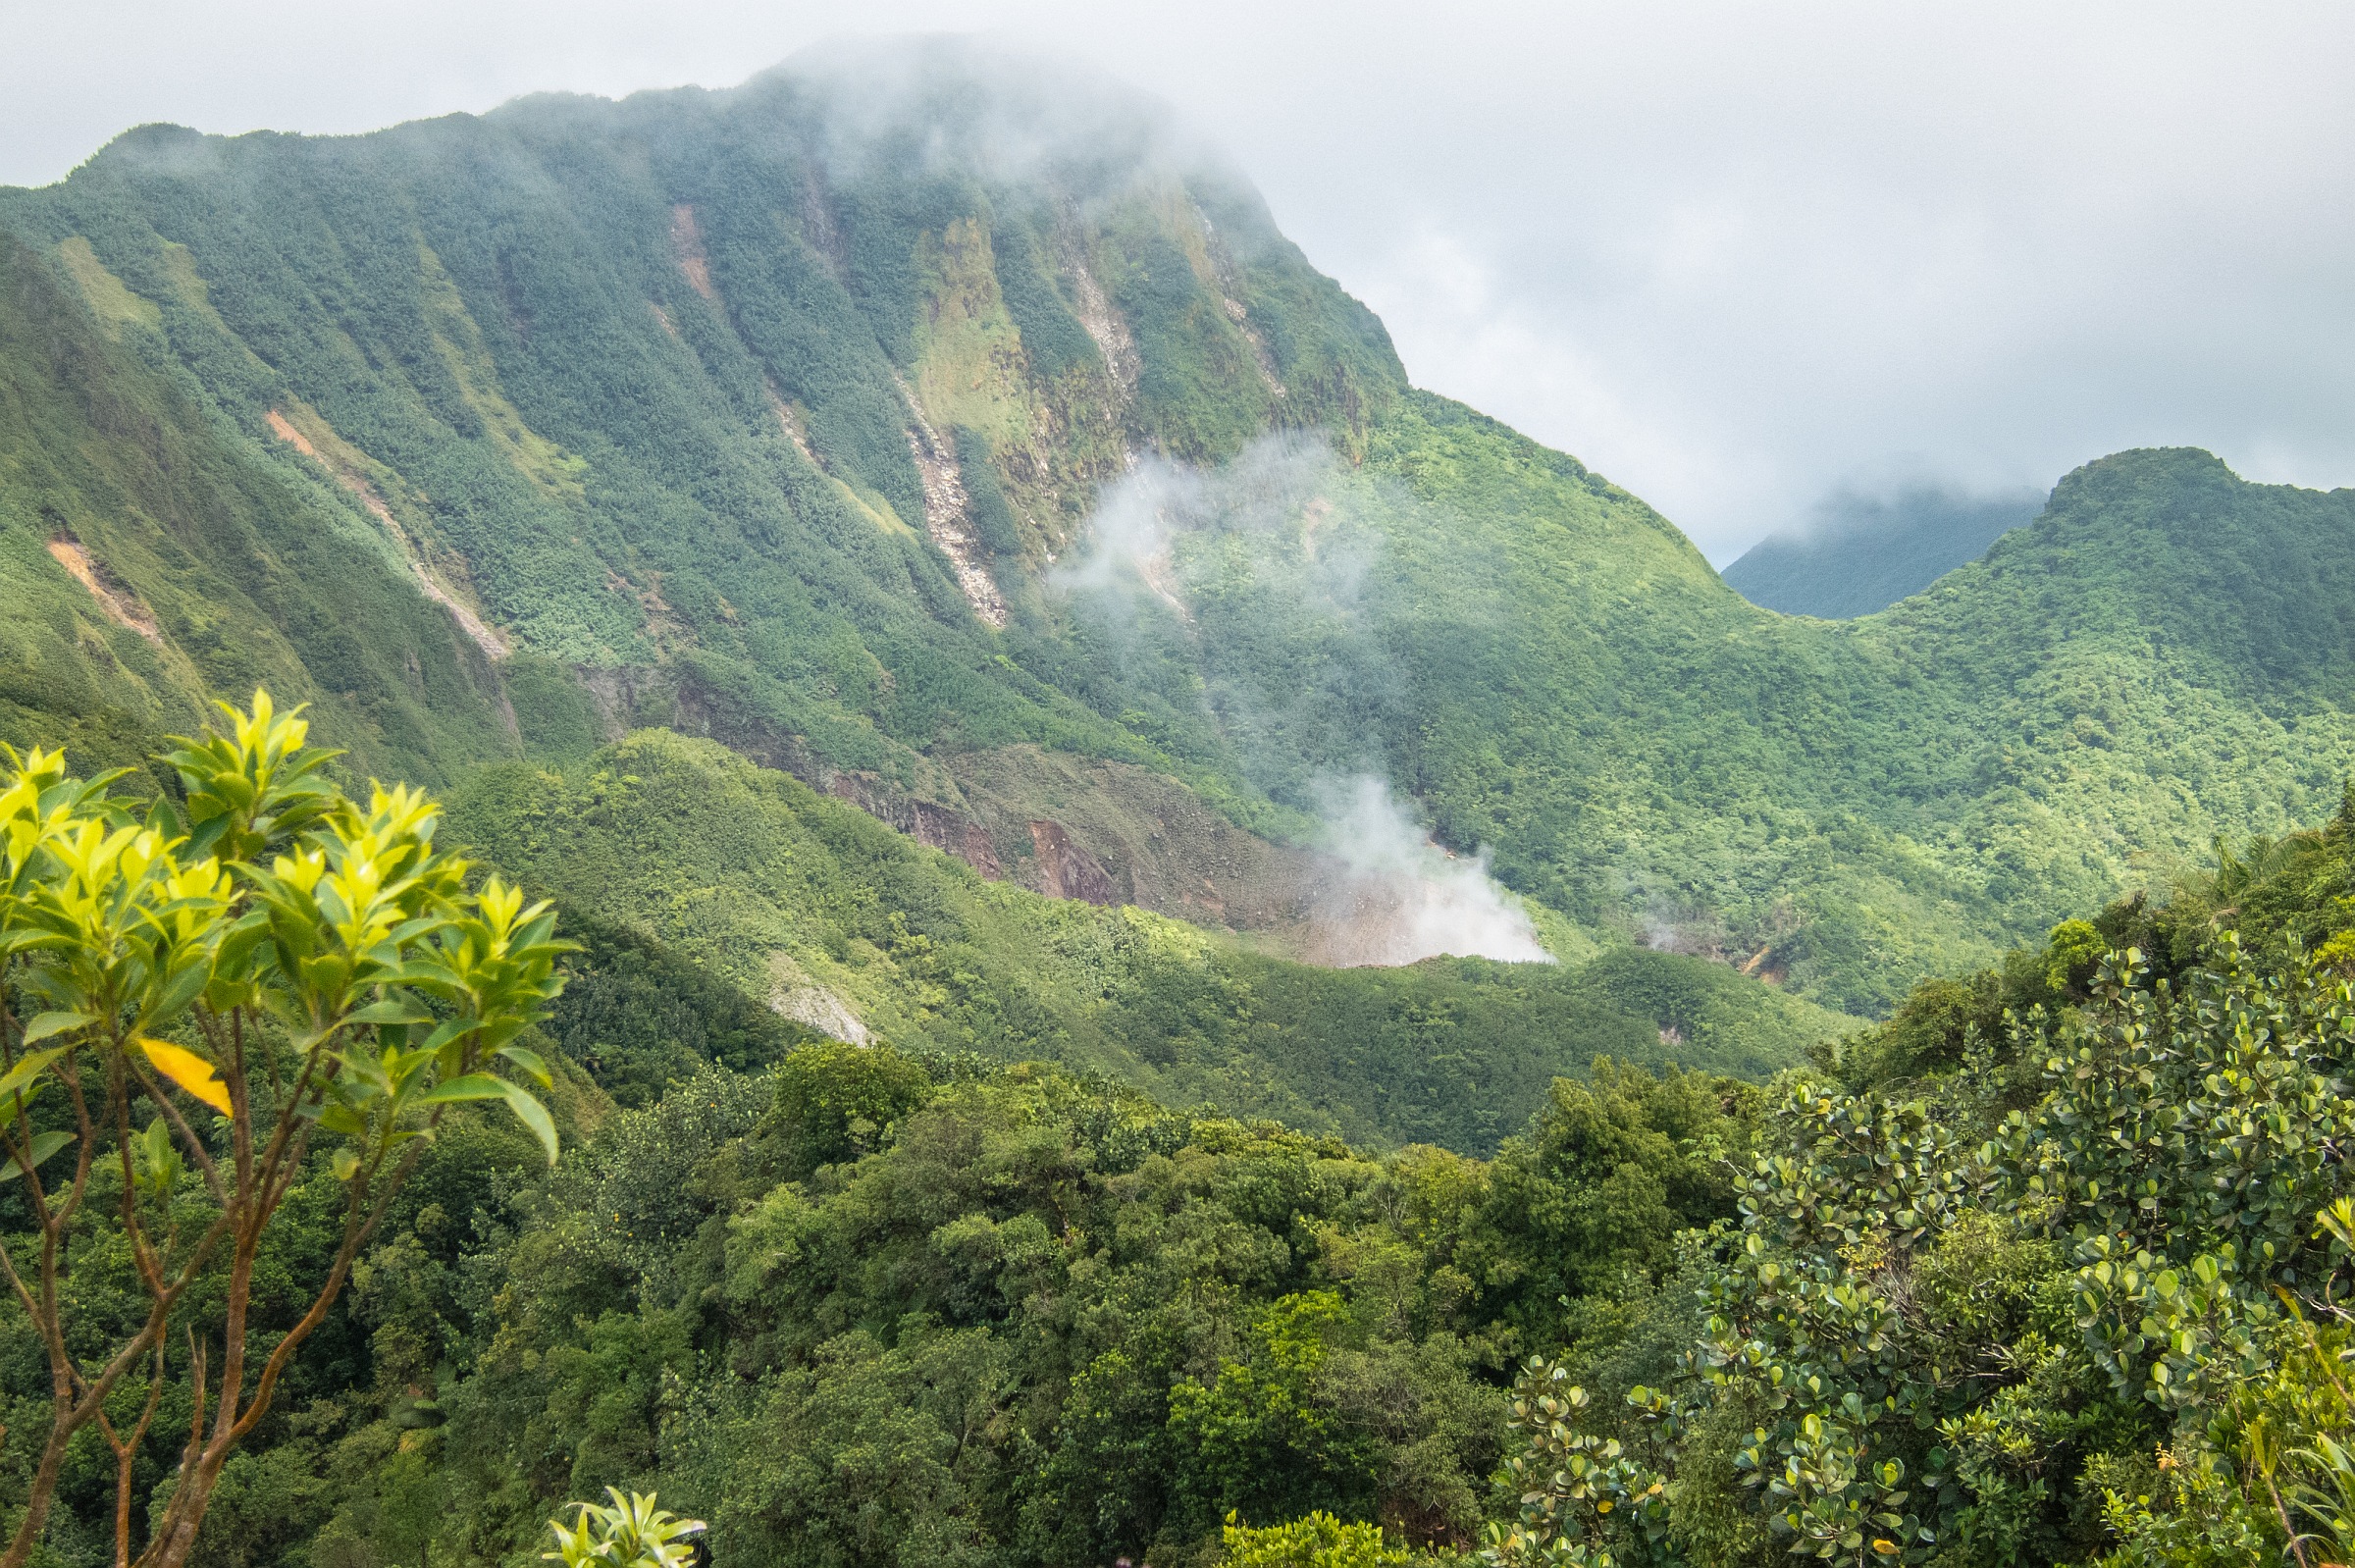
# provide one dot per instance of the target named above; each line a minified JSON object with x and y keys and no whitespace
{"x":1862,"y":550}
{"x":1282,"y":522}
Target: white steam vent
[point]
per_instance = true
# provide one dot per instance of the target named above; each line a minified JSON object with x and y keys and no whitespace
{"x":1396,"y":897}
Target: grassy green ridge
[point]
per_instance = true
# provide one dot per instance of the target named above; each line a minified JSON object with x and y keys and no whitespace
{"x":1556,"y":673}
{"x":640,"y":380}
{"x":779,"y":893}
{"x":2155,"y":660}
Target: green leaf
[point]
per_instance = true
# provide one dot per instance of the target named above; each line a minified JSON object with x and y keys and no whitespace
{"x":177,"y":992}
{"x":364,"y":1077}
{"x":483,"y":1086}
{"x":345,"y":1162}
{"x":532,"y":1114}
{"x":454,"y":1029}
{"x":391,"y":1010}
{"x":205,"y":834}
{"x":44,"y":1144}
{"x":28,"y":1065}
{"x":44,"y":1025}
{"x":529,"y":1061}
{"x":338,"y":1117}
{"x":473,"y":1086}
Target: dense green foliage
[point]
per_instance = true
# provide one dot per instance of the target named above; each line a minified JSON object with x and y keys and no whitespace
{"x":875,"y":1310}
{"x":1991,"y":1282}
{"x":2053,"y":1268}
{"x":1864,"y":553}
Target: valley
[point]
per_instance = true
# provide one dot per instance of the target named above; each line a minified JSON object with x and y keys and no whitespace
{"x":1157,"y":906}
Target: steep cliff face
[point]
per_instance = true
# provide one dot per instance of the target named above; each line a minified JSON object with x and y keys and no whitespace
{"x":765,"y":407}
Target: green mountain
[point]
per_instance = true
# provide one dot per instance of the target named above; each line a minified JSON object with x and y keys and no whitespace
{"x":950,"y":438}
{"x":1862,"y":554}
{"x":905,"y":551}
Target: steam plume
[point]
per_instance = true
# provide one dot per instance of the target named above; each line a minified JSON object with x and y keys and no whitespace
{"x":1259,"y":571}
{"x":1397,"y":897}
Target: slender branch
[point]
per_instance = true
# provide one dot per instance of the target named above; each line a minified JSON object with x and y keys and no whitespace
{"x":185,"y":1513}
{"x":142,"y":1255}
{"x":356,"y":1232}
{"x":127,"y":1452}
{"x":53,"y":1221}
{"x":240,"y":1113}
{"x":2296,"y":1540}
{"x":196,"y":1381}
{"x":290,"y":1117}
{"x":86,"y":1125}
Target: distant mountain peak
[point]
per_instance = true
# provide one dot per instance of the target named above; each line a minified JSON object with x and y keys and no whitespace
{"x":1863,"y":553}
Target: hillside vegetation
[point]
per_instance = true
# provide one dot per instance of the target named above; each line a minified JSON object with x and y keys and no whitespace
{"x":2047,"y":1269}
{"x":792,"y":899}
{"x":149,"y":559}
{"x":804,"y":416}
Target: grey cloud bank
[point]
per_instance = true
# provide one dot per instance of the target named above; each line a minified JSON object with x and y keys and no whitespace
{"x":1736,"y":257}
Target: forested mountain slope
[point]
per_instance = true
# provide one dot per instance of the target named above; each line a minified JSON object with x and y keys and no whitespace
{"x":2124,"y":678}
{"x":919,"y":423}
{"x":146,"y":562}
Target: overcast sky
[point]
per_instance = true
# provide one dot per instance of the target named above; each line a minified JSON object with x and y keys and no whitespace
{"x":1736,"y":257}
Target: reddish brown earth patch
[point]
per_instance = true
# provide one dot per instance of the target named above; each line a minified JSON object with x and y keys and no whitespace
{"x":483,"y":638}
{"x":1068,"y":871}
{"x":120,"y":603}
{"x":687,"y":243}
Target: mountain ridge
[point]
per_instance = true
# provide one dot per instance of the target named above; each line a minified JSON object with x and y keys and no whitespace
{"x":734,"y":417}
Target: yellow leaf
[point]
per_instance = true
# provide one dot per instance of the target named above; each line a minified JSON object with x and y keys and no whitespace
{"x":190,"y":1070}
